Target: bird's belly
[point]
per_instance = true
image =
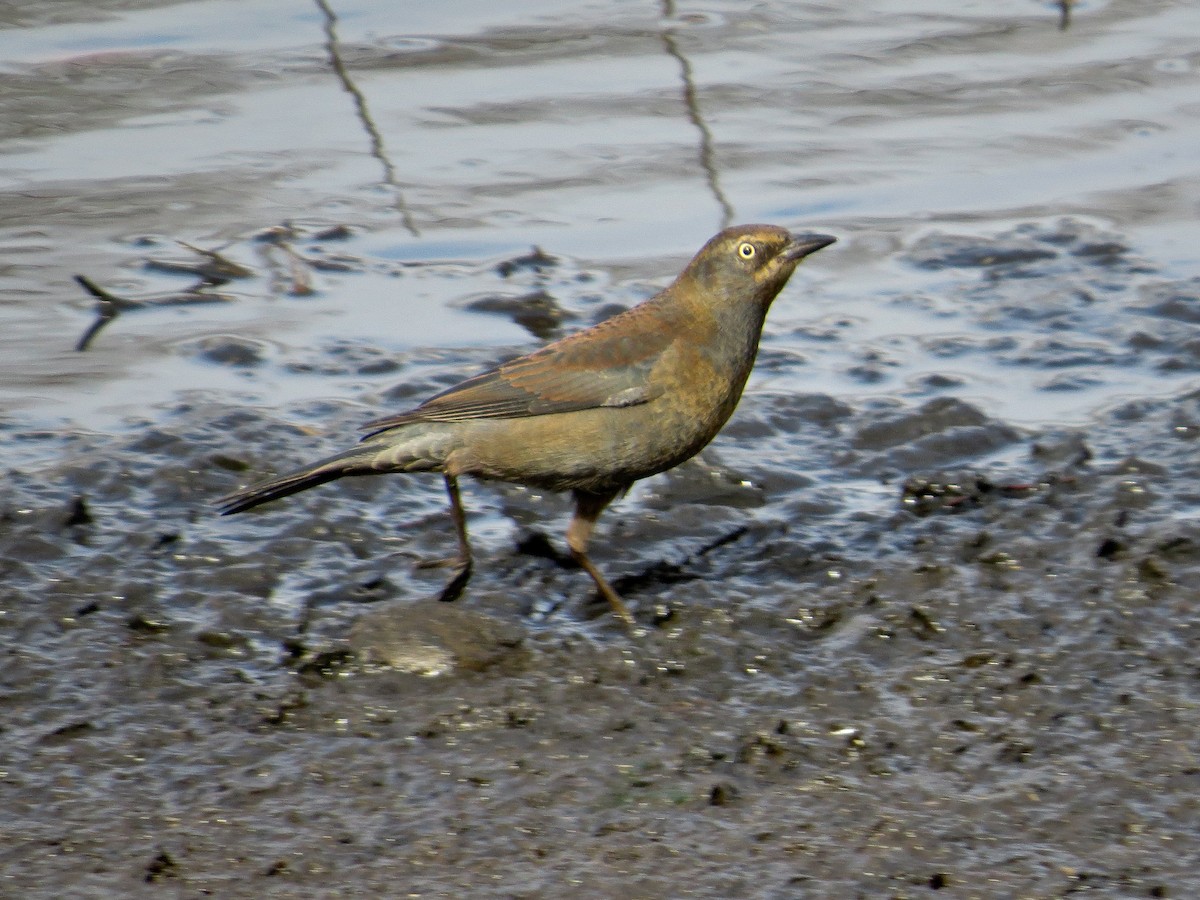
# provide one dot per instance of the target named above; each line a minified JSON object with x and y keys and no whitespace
{"x":594,"y":449}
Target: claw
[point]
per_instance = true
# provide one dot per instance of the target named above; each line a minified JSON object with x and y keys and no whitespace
{"x":454,"y":587}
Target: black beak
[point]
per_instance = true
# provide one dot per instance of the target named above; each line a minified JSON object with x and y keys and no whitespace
{"x":804,"y":244}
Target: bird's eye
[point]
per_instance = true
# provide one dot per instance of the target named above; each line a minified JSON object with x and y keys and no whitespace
{"x":746,"y":250}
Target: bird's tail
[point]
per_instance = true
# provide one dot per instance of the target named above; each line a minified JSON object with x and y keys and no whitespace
{"x":293,"y":482}
{"x":400,"y":450}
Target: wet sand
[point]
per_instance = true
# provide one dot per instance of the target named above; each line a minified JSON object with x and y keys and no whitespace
{"x":922,"y":619}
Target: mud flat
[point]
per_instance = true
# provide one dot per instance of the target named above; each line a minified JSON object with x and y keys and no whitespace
{"x":894,"y":644}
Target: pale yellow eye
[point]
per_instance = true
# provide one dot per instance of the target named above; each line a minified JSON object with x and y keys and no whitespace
{"x":746,"y":250}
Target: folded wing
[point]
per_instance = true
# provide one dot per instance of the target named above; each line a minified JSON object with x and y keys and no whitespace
{"x":607,"y":365}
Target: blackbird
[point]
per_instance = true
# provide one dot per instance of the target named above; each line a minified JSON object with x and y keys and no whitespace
{"x":593,"y":412}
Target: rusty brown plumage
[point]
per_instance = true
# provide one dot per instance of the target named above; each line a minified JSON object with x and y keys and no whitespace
{"x":593,"y":412}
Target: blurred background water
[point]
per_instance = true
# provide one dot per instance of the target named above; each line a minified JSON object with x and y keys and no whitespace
{"x":616,"y":136}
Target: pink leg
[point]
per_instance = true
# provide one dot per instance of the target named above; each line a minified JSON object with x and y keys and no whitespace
{"x":587,"y":510}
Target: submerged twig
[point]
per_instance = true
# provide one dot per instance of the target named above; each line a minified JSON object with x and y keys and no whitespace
{"x":222,"y":268}
{"x":1064,"y":14}
{"x":297,"y":281}
{"x":362,"y":110}
{"x":691,"y":106}
{"x":110,"y":305}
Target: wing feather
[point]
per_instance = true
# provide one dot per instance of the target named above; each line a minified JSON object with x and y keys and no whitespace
{"x":606,"y":365}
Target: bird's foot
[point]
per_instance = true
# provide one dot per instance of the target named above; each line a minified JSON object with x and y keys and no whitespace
{"x":458,"y":580}
{"x":621,"y":611}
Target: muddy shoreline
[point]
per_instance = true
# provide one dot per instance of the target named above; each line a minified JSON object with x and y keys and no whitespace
{"x":892,"y":646}
{"x":923,"y":618}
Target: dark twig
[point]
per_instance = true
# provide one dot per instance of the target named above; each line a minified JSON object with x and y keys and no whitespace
{"x":108,"y":307}
{"x":691,"y":104}
{"x":378,"y":148}
{"x":222,"y":268}
{"x":1064,"y":14}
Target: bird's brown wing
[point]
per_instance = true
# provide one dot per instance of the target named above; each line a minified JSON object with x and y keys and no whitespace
{"x":607,"y":365}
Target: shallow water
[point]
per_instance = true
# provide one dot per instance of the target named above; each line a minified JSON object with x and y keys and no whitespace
{"x":618,"y":137}
{"x":924,"y":615}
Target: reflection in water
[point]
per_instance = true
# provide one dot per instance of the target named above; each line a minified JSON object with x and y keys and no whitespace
{"x":378,"y":150}
{"x":693,"y":112}
{"x":1064,"y":14}
{"x":910,"y":125}
{"x":110,"y":305}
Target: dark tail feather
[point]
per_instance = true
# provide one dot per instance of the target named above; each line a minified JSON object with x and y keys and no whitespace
{"x":285,"y":485}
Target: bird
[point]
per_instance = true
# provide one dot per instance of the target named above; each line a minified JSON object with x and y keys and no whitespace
{"x":590,"y":413}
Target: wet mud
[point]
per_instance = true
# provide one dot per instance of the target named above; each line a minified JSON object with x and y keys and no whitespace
{"x":921,"y":621}
{"x":890,"y":645}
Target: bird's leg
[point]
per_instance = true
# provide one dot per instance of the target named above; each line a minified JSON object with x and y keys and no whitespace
{"x":462,"y":562}
{"x":587,"y":509}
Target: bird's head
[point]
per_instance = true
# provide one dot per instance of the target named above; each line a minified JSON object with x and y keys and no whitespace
{"x":751,"y":262}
